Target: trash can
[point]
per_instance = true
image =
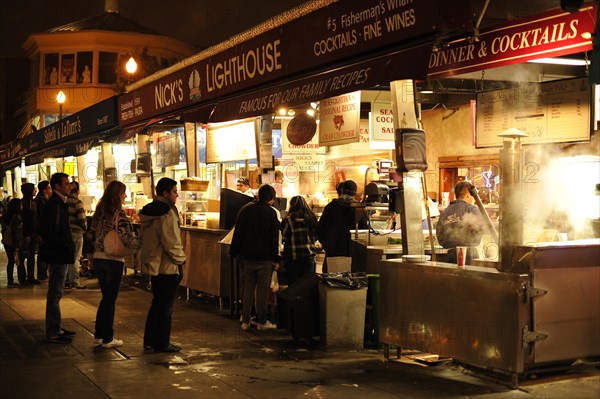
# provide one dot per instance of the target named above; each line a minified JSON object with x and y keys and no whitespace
{"x":342,"y":303}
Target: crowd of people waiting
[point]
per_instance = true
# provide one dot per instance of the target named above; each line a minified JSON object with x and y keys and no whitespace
{"x":53,"y":224}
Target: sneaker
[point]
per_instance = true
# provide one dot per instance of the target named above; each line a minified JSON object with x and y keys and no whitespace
{"x":245,"y":326}
{"x":67,"y":333}
{"x":267,"y":326}
{"x":60,"y":339}
{"x":97,"y":341}
{"x":80,"y":286}
{"x":112,"y":344}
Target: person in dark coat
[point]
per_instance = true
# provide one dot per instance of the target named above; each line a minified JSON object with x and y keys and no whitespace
{"x":338,"y":218}
{"x":56,"y":249}
{"x":44,"y":192}
{"x":460,"y":224}
{"x":12,"y":239}
{"x":29,"y":216}
{"x":256,"y":241}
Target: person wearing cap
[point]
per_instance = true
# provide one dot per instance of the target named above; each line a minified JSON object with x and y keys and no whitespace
{"x":338,"y":218}
{"x":460,"y":224}
{"x":243,"y":186}
{"x":30,"y":225}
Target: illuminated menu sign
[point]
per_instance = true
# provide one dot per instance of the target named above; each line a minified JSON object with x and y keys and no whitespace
{"x":326,"y":36}
{"x":550,"y":112}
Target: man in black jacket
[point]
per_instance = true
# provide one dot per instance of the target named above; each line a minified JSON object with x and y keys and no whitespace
{"x":57,"y":250}
{"x":44,"y":192}
{"x":256,"y":241}
{"x":339,"y":217}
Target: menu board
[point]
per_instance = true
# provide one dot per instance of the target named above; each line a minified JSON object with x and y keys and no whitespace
{"x":230,"y":142}
{"x":551,"y":112}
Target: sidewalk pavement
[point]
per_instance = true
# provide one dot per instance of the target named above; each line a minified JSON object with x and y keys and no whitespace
{"x":219,"y":360}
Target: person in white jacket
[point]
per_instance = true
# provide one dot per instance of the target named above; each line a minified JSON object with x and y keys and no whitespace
{"x":162,"y":258}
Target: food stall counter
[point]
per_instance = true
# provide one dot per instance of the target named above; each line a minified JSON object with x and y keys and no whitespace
{"x":208,"y":263}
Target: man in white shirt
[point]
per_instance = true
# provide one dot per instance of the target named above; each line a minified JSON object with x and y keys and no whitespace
{"x":243,"y":186}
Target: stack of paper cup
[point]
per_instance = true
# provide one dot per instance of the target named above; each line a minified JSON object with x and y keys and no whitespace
{"x":461,"y":256}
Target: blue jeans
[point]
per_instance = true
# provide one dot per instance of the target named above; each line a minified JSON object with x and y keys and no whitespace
{"x":10,"y":266}
{"x":109,"y":274}
{"x":157,"y":332}
{"x":73,"y":273}
{"x":56,"y":286}
{"x":28,"y":252}
{"x":256,"y":274}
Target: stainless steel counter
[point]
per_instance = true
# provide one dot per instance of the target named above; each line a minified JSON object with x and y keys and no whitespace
{"x":547,"y":312}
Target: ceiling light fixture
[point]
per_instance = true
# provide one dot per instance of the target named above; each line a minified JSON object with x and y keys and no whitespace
{"x":560,"y":61}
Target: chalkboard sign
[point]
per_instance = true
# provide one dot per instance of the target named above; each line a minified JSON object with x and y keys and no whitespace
{"x":551,"y":112}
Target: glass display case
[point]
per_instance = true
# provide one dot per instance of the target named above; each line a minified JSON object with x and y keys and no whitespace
{"x":193,"y":208}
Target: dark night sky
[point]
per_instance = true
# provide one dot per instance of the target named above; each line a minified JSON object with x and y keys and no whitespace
{"x":201,"y":23}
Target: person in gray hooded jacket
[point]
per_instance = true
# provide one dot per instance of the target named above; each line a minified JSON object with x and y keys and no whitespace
{"x":163,"y":259}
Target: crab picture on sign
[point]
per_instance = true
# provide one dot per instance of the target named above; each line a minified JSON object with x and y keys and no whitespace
{"x":340,"y":119}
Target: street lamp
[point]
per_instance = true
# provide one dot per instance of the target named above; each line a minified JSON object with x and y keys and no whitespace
{"x":60,"y":98}
{"x":130,"y":67}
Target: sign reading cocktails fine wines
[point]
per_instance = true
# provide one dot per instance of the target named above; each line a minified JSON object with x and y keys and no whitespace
{"x":330,"y":35}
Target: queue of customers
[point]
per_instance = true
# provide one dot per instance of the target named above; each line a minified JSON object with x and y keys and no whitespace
{"x":258,"y":251}
{"x":55,"y":226}
{"x":262,"y":242}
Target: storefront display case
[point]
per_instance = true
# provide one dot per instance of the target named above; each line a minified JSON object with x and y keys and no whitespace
{"x":193,"y":208}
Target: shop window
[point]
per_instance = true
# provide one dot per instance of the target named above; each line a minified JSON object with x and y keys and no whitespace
{"x":67,"y":68}
{"x":51,"y":69}
{"x":84,"y":67}
{"x":107,"y":67}
{"x":50,"y":119}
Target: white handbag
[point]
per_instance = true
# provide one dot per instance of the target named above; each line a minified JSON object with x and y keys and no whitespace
{"x":112,"y":242}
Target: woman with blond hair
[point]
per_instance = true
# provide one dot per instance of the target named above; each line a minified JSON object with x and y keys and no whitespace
{"x":298,"y":233}
{"x":109,"y":215}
